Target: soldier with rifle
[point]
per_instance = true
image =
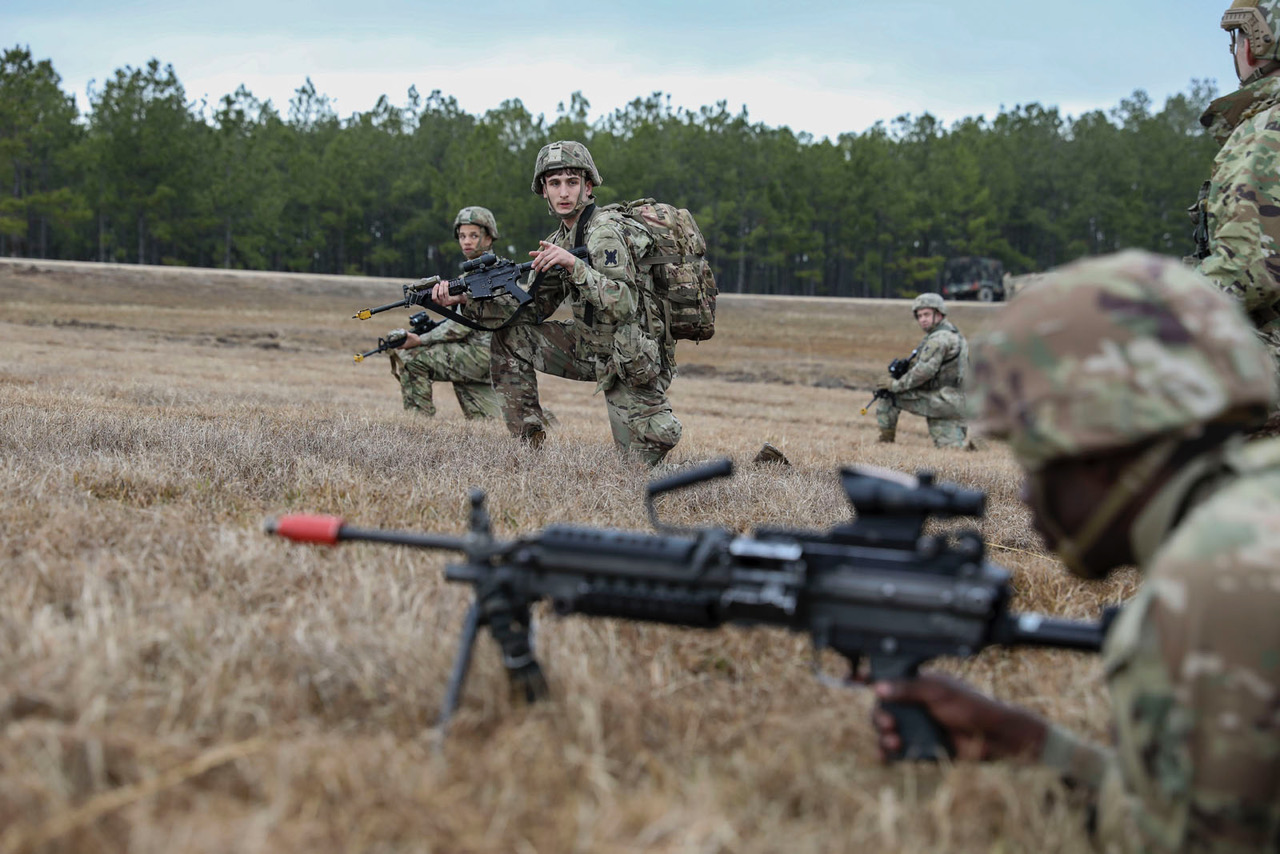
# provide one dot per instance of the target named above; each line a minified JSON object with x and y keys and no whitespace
{"x":617,"y":337}
{"x":1124,"y":386}
{"x":449,"y":351}
{"x":1237,"y":215}
{"x":928,"y":383}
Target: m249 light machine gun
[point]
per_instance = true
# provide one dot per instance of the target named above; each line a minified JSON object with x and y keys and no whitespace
{"x":876,"y":589}
{"x":482,"y":278}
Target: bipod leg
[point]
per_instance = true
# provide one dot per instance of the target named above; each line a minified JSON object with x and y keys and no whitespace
{"x":461,"y":664}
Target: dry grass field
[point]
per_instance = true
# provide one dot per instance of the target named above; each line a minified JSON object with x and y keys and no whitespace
{"x":172,"y":679}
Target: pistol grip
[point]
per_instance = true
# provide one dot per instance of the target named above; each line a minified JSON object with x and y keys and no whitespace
{"x":921,"y":736}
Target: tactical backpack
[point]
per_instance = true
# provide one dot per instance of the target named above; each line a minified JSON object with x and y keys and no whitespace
{"x":682,"y":277}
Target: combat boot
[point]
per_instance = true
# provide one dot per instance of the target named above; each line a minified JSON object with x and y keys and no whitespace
{"x":888,"y":436}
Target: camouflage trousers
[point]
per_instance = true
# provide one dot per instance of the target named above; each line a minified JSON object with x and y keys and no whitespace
{"x":942,"y":408}
{"x":463,"y":363}
{"x":640,"y":416}
{"x":1269,"y":335}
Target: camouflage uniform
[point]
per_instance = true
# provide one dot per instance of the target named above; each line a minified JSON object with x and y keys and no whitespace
{"x":931,"y":388}
{"x":1137,"y":351}
{"x":616,"y":338}
{"x":450,"y":353}
{"x":1244,"y":192}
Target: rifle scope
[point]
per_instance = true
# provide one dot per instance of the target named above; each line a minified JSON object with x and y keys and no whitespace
{"x":479,"y":263}
{"x":874,"y":492}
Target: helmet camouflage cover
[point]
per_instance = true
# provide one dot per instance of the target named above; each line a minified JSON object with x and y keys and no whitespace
{"x":932,"y":301}
{"x":565,"y":154}
{"x":1107,"y":352}
{"x":476,"y":215}
{"x":1260,"y":22}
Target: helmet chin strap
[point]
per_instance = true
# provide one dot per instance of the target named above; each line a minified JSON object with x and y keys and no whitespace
{"x":1133,"y":479}
{"x":1261,"y":71}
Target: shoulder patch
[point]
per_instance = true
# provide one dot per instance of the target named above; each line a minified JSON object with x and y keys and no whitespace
{"x":611,"y":257}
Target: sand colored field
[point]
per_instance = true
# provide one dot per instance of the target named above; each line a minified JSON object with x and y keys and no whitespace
{"x":172,"y":679}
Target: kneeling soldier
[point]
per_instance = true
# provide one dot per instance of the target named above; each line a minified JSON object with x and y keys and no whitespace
{"x":452,"y":352}
{"x":931,"y":386}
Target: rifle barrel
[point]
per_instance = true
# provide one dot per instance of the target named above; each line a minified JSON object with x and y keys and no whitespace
{"x":1038,"y":630}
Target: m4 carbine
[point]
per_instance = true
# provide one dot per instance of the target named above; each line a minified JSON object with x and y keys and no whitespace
{"x":482,"y":278}
{"x":875,"y":589}
{"x":419,"y":324}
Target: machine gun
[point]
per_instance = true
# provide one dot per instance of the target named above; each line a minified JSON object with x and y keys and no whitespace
{"x":875,"y":589}
{"x":419,"y":324}
{"x":482,"y":278}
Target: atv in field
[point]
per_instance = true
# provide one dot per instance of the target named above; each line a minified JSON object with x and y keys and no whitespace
{"x":972,"y":277}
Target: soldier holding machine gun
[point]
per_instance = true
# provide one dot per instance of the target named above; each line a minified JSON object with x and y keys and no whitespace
{"x":1124,"y":386}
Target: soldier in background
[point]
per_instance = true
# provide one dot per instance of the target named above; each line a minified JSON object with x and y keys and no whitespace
{"x":617,"y":336}
{"x":931,"y":386}
{"x":1124,"y":385}
{"x":452,"y":352}
{"x":1238,"y":228}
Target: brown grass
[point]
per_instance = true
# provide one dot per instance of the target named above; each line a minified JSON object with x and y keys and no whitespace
{"x":171,"y":679}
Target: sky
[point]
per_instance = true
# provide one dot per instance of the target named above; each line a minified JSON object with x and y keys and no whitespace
{"x":823,"y":68}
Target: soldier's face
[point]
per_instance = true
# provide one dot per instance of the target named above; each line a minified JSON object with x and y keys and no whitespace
{"x":928,"y":318}
{"x":1063,"y":497}
{"x":563,"y":191}
{"x":473,"y":240}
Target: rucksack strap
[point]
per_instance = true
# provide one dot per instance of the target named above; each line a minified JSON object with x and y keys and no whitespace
{"x":656,"y":260}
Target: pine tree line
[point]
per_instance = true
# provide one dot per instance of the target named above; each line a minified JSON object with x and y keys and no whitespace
{"x":144,"y":176}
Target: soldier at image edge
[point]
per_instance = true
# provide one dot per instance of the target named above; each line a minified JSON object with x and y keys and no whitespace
{"x":617,"y":337}
{"x":932,"y":385}
{"x":451,"y":352}
{"x":1124,"y":385}
{"x":1238,"y":213}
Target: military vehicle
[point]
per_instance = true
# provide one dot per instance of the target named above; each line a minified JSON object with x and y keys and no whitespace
{"x":972,"y":277}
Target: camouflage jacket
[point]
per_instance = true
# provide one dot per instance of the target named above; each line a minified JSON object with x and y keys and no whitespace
{"x":1193,"y":665}
{"x":1244,"y":198}
{"x":940,"y":361}
{"x":452,"y":332}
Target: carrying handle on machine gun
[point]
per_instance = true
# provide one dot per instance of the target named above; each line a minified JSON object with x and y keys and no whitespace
{"x":679,"y":480}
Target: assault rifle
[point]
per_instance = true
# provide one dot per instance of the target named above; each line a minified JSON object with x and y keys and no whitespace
{"x":875,"y":588}
{"x":879,"y":394}
{"x":419,"y":324}
{"x":482,"y":278}
{"x":899,"y":367}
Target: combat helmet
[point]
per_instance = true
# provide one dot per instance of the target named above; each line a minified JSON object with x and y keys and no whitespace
{"x":1110,"y":352}
{"x":933,"y":301}
{"x":1259,"y":20}
{"x":564,"y":154}
{"x":476,"y":215}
